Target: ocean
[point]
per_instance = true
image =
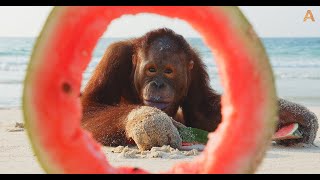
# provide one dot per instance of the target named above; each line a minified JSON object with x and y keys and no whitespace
{"x":295,"y":62}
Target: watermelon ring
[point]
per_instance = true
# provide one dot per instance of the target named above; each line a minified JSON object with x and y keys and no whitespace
{"x":52,"y":109}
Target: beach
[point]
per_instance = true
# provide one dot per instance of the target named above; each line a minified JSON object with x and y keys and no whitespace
{"x":16,"y":155}
{"x":291,"y":41}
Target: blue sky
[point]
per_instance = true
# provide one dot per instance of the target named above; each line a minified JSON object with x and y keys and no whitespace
{"x":283,"y":21}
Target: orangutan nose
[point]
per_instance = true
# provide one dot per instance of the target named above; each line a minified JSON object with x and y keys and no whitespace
{"x":157,"y":84}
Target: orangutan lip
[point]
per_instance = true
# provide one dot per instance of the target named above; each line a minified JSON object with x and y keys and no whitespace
{"x":157,"y":104}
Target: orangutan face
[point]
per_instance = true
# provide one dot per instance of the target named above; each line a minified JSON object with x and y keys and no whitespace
{"x":161,"y":75}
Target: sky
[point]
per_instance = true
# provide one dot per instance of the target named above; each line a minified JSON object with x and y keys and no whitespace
{"x":272,"y":21}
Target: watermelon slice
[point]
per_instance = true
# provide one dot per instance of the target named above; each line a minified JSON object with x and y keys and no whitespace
{"x":52,"y":109}
{"x":288,"y":132}
{"x":193,"y":138}
{"x":193,"y":135}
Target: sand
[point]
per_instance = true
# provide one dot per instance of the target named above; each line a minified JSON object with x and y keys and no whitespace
{"x":16,"y":156}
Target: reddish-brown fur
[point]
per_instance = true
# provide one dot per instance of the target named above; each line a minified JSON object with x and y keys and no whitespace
{"x":110,"y":93}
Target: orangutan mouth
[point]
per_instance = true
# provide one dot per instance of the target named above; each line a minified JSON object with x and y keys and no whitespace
{"x":156,"y":104}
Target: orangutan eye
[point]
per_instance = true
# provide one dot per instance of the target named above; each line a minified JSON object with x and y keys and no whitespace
{"x":152,"y":69}
{"x":168,"y":71}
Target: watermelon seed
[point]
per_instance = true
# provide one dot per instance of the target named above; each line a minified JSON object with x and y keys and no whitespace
{"x":66,"y":88}
{"x":135,"y":169}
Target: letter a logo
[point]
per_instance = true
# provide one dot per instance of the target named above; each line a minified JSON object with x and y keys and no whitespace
{"x":308,"y":15}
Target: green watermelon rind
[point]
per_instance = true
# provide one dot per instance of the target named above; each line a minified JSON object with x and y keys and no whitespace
{"x":28,"y":119}
{"x":193,"y":135}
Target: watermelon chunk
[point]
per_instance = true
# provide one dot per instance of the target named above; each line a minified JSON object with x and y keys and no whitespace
{"x":288,"y":132}
{"x":193,"y":135}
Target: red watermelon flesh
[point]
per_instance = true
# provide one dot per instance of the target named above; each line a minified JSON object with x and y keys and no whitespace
{"x":288,"y":132}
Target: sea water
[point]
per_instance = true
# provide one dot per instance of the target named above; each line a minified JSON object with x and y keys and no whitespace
{"x":295,"y":63}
